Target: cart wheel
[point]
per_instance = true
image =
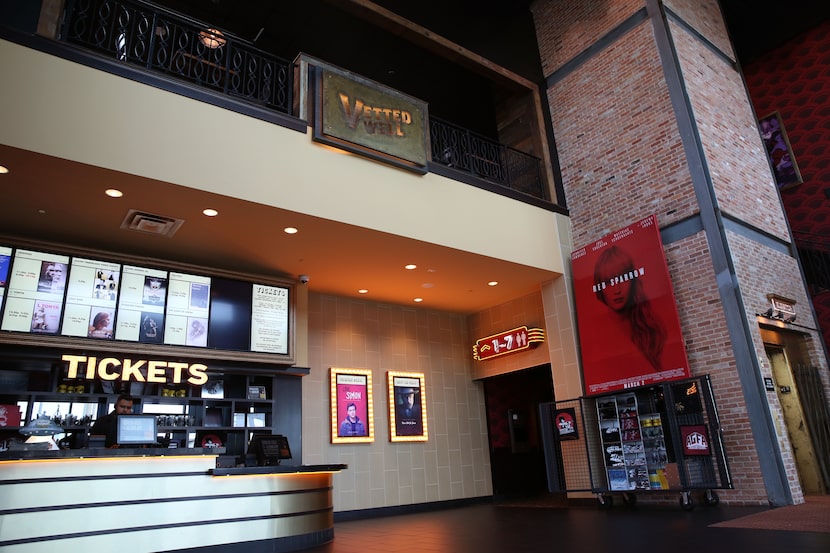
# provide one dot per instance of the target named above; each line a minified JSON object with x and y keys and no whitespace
{"x":605,"y":501}
{"x":629,"y":499}
{"x":686,"y":502}
{"x":711,"y":498}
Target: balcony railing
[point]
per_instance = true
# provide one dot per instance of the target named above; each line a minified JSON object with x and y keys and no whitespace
{"x":145,"y":35}
{"x":142,"y":34}
{"x":479,"y":156}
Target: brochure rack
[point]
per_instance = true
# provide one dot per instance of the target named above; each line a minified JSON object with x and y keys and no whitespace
{"x":660,"y":438}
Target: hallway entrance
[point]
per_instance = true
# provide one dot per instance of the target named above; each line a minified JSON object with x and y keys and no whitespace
{"x":516,"y":453}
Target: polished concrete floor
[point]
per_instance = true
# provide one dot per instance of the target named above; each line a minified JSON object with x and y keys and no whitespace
{"x":490,"y":528}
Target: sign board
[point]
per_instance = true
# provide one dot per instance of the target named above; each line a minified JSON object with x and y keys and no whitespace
{"x":370,"y":119}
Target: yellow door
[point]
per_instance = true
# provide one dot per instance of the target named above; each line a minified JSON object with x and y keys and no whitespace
{"x":805,"y":456}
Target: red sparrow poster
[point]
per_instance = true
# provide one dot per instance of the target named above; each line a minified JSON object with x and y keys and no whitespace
{"x":629,"y":330}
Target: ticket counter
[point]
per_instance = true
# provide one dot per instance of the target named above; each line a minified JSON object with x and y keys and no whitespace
{"x":159,"y":500}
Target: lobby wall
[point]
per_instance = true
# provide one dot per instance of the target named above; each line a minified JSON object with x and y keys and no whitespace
{"x":455,"y":462}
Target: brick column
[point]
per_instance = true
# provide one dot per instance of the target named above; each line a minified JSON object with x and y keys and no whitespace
{"x":651,"y":115}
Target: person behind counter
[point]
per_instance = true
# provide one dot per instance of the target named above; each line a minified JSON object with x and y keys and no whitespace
{"x":108,"y":424}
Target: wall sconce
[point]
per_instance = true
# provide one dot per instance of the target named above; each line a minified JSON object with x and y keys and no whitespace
{"x":212,"y":38}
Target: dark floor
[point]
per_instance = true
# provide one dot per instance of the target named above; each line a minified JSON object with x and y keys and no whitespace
{"x":489,"y":528}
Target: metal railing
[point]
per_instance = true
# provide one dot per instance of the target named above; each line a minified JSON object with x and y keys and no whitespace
{"x":143,"y":34}
{"x":479,"y":156}
{"x":814,"y":253}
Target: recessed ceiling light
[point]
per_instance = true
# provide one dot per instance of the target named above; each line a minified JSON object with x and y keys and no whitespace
{"x":42,"y":211}
{"x":418,"y":300}
{"x":210,"y":212}
{"x":363,"y":291}
{"x":290,"y":230}
{"x":410,"y":267}
{"x":493,"y":283}
{"x":3,"y":169}
{"x":113,"y":193}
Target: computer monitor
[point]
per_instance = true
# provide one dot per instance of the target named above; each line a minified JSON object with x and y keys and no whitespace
{"x":269,"y":449}
{"x":136,"y":430}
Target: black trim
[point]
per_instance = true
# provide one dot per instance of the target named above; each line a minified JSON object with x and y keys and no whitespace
{"x":690,"y":226}
{"x":771,"y":462}
{"x":478,"y":182}
{"x":157,"y":500}
{"x":378,"y":512}
{"x":143,"y":528}
{"x":79,"y":55}
{"x":606,"y":40}
{"x":702,"y":39}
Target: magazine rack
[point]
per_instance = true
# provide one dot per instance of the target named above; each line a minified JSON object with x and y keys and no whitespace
{"x":664,"y":438}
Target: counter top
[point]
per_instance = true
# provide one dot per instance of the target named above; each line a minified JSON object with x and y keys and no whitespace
{"x":21,"y":455}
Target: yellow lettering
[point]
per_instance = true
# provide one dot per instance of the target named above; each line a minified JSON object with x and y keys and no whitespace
{"x":177,"y":371}
{"x":72,"y":371}
{"x":198,"y":374}
{"x":155,"y":372}
{"x":352,"y":115}
{"x":132,"y":370}
{"x":103,"y":366}
{"x":406,"y":117}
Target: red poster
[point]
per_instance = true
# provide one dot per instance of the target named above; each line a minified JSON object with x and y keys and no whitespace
{"x":629,"y":330}
{"x":352,"y":406}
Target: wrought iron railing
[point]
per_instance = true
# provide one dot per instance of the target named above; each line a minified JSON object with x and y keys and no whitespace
{"x":143,"y":34}
{"x":814,"y":253}
{"x":479,"y":156}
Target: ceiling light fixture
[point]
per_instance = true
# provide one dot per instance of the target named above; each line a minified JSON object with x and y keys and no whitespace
{"x":113,"y":193}
{"x":493,"y":283}
{"x":3,"y":169}
{"x":410,"y":266}
{"x":212,"y":38}
{"x":363,"y":291}
{"x":210,"y":212}
{"x":290,"y":230}
{"x":418,"y":300}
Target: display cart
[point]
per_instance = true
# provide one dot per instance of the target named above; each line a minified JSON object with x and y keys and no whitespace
{"x":659,"y":438}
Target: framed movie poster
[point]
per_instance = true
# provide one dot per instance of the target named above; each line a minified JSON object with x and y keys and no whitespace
{"x":629,"y":328}
{"x":352,"y":410}
{"x":779,"y":151}
{"x":407,"y":407}
{"x":565,"y":420}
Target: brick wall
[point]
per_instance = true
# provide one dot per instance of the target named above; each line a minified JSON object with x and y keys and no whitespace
{"x":623,"y":158}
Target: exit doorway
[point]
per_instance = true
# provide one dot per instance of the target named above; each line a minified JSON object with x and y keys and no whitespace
{"x":796,"y":413}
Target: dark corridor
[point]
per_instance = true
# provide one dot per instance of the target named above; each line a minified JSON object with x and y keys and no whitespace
{"x":516,"y":454}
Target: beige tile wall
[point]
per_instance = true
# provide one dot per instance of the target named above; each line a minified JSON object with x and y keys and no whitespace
{"x":455,"y":462}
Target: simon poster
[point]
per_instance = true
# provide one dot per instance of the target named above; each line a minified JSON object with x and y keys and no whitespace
{"x":629,"y":329}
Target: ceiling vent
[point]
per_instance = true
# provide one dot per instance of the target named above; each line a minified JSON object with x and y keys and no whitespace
{"x":151,"y":223}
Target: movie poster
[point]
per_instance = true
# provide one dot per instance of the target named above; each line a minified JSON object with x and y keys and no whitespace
{"x":629,"y":329}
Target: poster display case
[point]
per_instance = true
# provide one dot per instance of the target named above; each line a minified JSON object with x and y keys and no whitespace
{"x":650,"y":439}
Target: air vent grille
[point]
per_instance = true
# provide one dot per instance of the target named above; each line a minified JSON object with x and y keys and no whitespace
{"x":151,"y":223}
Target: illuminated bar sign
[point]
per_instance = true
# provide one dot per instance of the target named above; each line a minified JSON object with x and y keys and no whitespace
{"x":134,"y":370}
{"x":367,"y":118}
{"x":511,"y":341}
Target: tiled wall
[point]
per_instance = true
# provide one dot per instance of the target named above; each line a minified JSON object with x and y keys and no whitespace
{"x":455,"y":462}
